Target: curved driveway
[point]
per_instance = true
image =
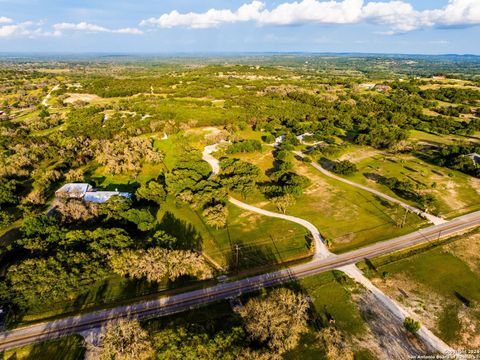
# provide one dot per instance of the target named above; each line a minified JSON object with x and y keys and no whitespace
{"x":322,"y":261}
{"x":431,"y":218}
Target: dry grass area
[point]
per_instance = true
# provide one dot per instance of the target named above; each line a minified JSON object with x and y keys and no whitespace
{"x":73,"y":98}
{"x":386,"y":336}
{"x":441,"y":287}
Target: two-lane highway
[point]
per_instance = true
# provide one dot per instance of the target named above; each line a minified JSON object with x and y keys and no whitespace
{"x":180,"y":302}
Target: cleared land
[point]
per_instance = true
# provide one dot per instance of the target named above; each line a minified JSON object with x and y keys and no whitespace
{"x":441,"y":285}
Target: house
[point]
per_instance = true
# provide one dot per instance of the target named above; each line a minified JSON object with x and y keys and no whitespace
{"x":100,"y":197}
{"x":87,"y":193}
{"x":475,"y":158}
{"x":366,"y":86}
{"x":75,"y":190}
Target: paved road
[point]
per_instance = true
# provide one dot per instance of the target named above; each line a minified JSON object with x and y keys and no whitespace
{"x":181,"y":302}
{"x":324,"y":261}
{"x":431,"y":218}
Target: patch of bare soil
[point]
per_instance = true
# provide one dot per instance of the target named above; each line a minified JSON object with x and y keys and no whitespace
{"x":429,"y":306}
{"x":475,"y":183}
{"x":467,"y":250}
{"x":412,"y":296}
{"x":360,"y":155}
{"x":250,"y":222}
{"x":386,"y":336}
{"x":73,"y":98}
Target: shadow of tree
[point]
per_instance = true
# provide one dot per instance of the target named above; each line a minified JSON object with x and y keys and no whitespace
{"x":186,"y":234}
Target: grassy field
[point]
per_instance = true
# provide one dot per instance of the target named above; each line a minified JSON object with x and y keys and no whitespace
{"x":347,"y":216}
{"x":262,"y":240}
{"x":456,"y":193}
{"x":440,"y":285}
{"x":65,"y":348}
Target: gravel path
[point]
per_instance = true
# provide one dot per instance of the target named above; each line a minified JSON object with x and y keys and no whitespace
{"x":45,"y":101}
{"x":431,"y":218}
{"x":321,"y":251}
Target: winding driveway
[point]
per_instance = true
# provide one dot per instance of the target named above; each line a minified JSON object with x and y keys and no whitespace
{"x":45,"y":101}
{"x":431,"y":218}
{"x":322,"y":252}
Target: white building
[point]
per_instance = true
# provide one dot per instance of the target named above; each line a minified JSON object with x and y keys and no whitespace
{"x":87,"y":193}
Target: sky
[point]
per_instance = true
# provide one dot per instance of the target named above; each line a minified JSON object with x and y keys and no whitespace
{"x":214,"y":26}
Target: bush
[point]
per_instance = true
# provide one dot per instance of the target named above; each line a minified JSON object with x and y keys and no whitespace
{"x":344,"y":167}
{"x":411,"y":325}
{"x":244,"y":146}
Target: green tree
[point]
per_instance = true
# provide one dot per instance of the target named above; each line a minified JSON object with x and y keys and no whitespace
{"x":123,"y":339}
{"x":8,"y":192}
{"x":344,"y":167}
{"x":140,"y":217}
{"x":152,"y":191}
{"x":283,"y":202}
{"x":216,"y":215}
{"x":277,"y":320}
{"x":40,"y":233}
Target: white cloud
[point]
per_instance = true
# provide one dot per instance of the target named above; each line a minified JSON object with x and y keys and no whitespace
{"x":93,"y":28}
{"x":396,"y":15}
{"x":209,"y":19}
{"x":5,"y":20}
{"x":24,"y":29}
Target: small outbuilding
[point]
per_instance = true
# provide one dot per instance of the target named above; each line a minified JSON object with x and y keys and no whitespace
{"x":475,"y":157}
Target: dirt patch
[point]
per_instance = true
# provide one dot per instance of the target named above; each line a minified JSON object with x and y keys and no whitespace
{"x":73,"y":98}
{"x":360,"y":155}
{"x":475,"y":183}
{"x":412,"y":295}
{"x":250,"y":220}
{"x":467,"y":250}
{"x":386,"y":336}
{"x":429,"y":306}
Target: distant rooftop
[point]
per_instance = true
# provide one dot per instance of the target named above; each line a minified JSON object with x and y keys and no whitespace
{"x":103,"y":196}
{"x":475,"y":157}
{"x":88,"y":193}
{"x":74,"y":190}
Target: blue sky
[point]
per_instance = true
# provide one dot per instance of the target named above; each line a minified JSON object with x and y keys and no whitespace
{"x":166,"y":26}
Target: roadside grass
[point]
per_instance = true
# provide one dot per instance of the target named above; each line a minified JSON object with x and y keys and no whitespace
{"x":65,"y":348}
{"x":332,"y":305}
{"x":348,"y":216}
{"x":440,"y":283}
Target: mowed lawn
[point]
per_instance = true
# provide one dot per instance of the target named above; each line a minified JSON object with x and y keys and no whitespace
{"x":441,"y":285}
{"x":261,"y":240}
{"x":347,"y":216}
{"x":456,"y":193}
{"x":65,"y":348}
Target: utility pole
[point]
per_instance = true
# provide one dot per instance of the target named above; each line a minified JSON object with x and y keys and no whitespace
{"x":404,"y":218}
{"x":237,"y":250}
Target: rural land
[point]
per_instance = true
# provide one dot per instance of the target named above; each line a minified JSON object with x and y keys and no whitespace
{"x":262,"y":206}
